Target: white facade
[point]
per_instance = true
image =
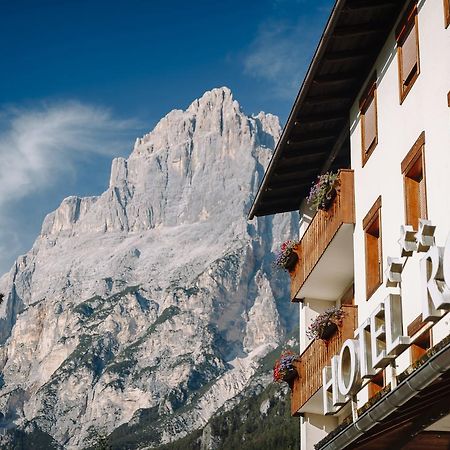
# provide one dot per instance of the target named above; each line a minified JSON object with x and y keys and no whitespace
{"x":425,"y":109}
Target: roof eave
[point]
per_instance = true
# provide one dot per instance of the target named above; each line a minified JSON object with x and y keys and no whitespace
{"x":331,"y":23}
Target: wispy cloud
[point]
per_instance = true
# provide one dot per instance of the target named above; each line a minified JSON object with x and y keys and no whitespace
{"x":281,"y":51}
{"x":37,"y":147}
{"x":42,"y":150}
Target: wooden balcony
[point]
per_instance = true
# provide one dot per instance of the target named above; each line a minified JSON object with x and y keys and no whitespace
{"x":315,"y":357}
{"x":323,"y":228}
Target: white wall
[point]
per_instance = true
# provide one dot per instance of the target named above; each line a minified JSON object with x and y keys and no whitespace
{"x":424,"y":109}
{"x":314,"y":428}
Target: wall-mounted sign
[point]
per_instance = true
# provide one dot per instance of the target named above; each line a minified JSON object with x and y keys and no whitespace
{"x":379,"y":339}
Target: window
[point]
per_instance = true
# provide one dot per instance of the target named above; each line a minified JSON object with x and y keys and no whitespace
{"x":413,"y":170}
{"x":422,"y":339}
{"x":377,"y":383}
{"x":369,"y":127}
{"x":420,"y":346}
{"x":372,"y":237}
{"x":447,"y":12}
{"x":408,"y":50}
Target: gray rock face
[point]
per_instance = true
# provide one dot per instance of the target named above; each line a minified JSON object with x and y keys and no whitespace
{"x":155,"y":296}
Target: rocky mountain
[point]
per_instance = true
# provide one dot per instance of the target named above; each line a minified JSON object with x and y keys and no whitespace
{"x":150,"y":306}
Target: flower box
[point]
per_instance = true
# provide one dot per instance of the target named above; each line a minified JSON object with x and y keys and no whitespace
{"x":284,"y":369}
{"x":325,"y":325}
{"x":323,"y":191}
{"x":328,"y":331}
{"x":287,"y":257}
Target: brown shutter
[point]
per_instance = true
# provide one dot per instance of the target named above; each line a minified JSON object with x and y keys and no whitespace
{"x":370,"y":125}
{"x":422,"y":199}
{"x":409,"y":56}
{"x":413,"y":169}
{"x":412,"y":202}
{"x":372,"y":238}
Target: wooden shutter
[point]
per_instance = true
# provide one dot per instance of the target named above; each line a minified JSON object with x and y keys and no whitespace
{"x":368,"y":112}
{"x":413,"y":170}
{"x":370,"y":125}
{"x":408,"y":50}
{"x":372,"y":238}
{"x":409,"y":56}
{"x":447,"y":13}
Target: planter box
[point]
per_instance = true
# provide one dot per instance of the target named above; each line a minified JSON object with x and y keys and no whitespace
{"x":328,"y":331}
{"x":291,"y":261}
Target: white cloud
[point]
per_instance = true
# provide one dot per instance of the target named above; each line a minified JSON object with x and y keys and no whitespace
{"x":281,"y":51}
{"x":42,"y":151}
{"x":37,"y":147}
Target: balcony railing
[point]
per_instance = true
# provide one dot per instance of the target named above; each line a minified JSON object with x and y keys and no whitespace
{"x":322,"y":229}
{"x":318,"y":355}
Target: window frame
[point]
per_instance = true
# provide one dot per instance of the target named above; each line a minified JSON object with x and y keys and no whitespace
{"x":369,"y":96}
{"x":416,"y":152}
{"x":408,"y":23}
{"x":446,"y":13}
{"x":374,"y":215}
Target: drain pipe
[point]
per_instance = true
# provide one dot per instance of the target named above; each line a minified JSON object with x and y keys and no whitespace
{"x":407,"y":389}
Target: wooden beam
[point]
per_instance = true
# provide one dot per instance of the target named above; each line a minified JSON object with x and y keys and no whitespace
{"x":299,"y":158}
{"x":299,"y":149}
{"x":323,"y":99}
{"x":337,"y":147}
{"x":290,"y":182}
{"x":297,"y":168}
{"x":289,"y":188}
{"x":277,"y":206}
{"x":358,"y":30}
{"x":369,"y":4}
{"x":313,"y":119}
{"x":335,"y":78}
{"x":347,"y":55}
{"x":306,"y":176}
{"x":311,"y":137}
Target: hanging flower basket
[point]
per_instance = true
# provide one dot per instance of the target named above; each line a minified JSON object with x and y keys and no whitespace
{"x":328,"y":331}
{"x":287,"y":257}
{"x":284,"y":369}
{"x":328,"y":200}
{"x":326,"y":324}
{"x":323,"y":191}
{"x":291,"y":261}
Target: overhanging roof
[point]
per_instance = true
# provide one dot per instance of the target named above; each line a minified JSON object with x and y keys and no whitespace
{"x":317,"y":126}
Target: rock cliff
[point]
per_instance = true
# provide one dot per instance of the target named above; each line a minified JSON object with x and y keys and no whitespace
{"x":155,"y":299}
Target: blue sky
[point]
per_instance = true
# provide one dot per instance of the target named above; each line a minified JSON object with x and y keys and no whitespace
{"x":81,"y":79}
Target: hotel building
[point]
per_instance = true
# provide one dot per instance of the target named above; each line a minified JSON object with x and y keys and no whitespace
{"x":374,"y":107}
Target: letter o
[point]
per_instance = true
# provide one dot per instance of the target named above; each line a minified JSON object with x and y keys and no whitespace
{"x":348,"y":372}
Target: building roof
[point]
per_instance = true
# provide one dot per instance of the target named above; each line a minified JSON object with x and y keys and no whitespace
{"x":316,"y":133}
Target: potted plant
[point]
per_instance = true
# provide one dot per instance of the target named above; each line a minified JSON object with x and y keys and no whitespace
{"x":287,"y":258}
{"x":326,"y":324}
{"x":323,"y":191}
{"x":284,"y":369}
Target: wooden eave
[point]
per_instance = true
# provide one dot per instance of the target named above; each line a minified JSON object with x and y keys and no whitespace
{"x":318,"y":124}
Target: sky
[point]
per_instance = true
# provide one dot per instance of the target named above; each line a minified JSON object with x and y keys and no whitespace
{"x":80,"y":80}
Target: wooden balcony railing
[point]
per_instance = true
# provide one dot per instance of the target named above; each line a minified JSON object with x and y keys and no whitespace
{"x":322,"y":229}
{"x":318,"y":355}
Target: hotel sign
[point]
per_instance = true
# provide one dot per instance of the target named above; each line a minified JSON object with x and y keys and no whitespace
{"x":379,"y":339}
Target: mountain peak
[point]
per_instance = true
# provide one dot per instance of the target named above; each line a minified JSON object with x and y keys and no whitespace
{"x":164,"y":181}
{"x":155,"y":294}
{"x":215,"y":98}
{"x":204,"y":114}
